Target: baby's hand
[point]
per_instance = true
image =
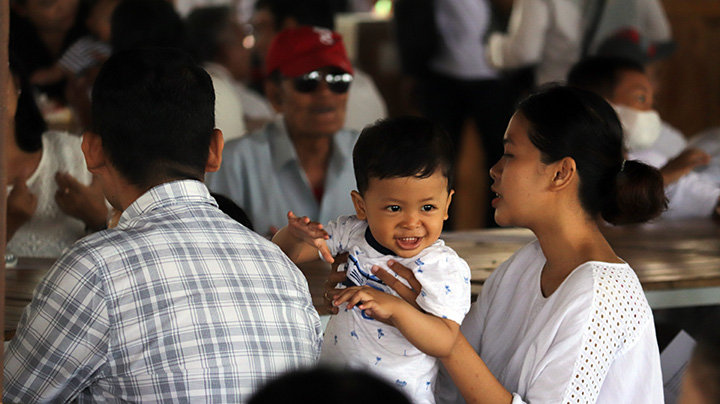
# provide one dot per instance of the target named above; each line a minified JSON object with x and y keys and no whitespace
{"x":377,"y":304}
{"x":309,"y":232}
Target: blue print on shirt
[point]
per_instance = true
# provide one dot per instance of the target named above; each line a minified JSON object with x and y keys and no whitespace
{"x":377,"y":360}
{"x":427,"y":385}
{"x":447,"y":289}
{"x":401,"y":383}
{"x":380,"y":333}
{"x":336,"y":340}
{"x":357,"y":275}
{"x":354,"y":334}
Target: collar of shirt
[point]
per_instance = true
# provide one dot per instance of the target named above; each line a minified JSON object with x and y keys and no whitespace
{"x":166,"y":194}
{"x":283,"y":150}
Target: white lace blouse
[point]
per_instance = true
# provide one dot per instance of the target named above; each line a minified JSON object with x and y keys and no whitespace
{"x":50,"y":230}
{"x":591,"y":341}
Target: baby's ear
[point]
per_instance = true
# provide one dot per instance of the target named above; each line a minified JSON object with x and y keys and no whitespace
{"x":359,"y":204}
{"x":447,"y":205}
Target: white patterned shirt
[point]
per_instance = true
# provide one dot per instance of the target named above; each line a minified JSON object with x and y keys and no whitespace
{"x":356,"y":340}
{"x":177,"y":304}
{"x":591,"y":341}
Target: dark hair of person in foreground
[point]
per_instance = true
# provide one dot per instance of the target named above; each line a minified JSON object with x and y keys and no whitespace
{"x":164,"y":82}
{"x":324,"y":385}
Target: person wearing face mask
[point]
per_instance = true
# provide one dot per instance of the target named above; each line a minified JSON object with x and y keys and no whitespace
{"x":624,"y":83}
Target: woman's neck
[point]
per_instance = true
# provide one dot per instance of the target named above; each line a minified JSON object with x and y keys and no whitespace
{"x":568,"y":244}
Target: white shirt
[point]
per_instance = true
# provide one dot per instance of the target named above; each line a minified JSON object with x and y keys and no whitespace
{"x":591,"y":341}
{"x":49,"y":231}
{"x":356,"y":340}
{"x":550,"y":33}
{"x":365,"y":104}
{"x":462,"y":25}
{"x":228,"y":106}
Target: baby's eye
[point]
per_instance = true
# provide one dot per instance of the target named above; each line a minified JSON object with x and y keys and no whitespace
{"x":642,"y":98}
{"x":393,"y":208}
{"x":428,"y":208}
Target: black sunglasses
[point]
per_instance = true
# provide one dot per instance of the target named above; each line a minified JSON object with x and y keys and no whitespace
{"x":338,"y":83}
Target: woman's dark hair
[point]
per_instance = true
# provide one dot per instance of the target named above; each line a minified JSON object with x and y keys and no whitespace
{"x":326,"y":386}
{"x":29,"y":122}
{"x":406,"y":146}
{"x":572,"y":122}
{"x":204,"y":27}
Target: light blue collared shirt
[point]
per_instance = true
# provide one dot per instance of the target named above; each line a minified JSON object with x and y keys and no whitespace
{"x":262,"y":174}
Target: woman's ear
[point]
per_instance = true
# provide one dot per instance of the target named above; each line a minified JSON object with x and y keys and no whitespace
{"x":565,"y":172}
{"x":359,"y":204}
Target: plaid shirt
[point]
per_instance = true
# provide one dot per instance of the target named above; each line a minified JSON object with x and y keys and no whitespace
{"x":179,"y":303}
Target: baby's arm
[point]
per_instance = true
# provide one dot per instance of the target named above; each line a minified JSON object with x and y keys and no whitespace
{"x":301,"y":239}
{"x":432,"y":335}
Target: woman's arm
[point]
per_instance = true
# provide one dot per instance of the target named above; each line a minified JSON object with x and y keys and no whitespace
{"x":469,"y":373}
{"x":472,"y":377}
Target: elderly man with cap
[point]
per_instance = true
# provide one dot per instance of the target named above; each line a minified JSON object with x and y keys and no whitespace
{"x":301,"y":161}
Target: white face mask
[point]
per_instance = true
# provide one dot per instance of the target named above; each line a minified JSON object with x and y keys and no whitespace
{"x":642,"y":128}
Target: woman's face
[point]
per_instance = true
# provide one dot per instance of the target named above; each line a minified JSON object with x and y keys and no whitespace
{"x":520,"y":178}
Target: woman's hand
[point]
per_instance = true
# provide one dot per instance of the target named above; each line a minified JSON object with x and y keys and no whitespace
{"x":85,"y":202}
{"x":408,"y":294}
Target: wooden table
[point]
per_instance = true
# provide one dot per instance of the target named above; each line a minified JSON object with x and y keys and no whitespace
{"x":677,"y":262}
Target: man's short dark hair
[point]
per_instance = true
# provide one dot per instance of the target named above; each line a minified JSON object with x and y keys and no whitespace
{"x":601,"y":74}
{"x":154,"y":110}
{"x":318,"y":13}
{"x":406,"y":146}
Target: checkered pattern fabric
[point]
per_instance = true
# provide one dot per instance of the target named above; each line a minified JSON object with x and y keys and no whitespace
{"x":178,"y":304}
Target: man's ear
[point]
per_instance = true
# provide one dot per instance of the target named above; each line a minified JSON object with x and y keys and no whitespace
{"x":274,"y":94}
{"x":447,"y":205}
{"x":359,"y":204}
{"x":92,"y":148}
{"x":564,"y":172}
{"x":215,"y":154}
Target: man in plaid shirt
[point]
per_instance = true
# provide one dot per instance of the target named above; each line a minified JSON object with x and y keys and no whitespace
{"x":178,"y":303}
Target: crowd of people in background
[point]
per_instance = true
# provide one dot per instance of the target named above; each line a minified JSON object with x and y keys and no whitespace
{"x":201,"y":128}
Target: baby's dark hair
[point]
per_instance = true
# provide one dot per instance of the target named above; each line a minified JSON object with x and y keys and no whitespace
{"x":406,"y":146}
{"x":572,"y":122}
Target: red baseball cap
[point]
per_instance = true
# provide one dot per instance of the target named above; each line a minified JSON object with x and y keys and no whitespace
{"x":296,"y":51}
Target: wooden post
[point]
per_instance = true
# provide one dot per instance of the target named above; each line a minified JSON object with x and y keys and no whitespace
{"x":4,"y":129}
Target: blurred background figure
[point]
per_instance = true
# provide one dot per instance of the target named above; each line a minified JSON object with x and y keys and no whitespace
{"x":365,"y":104}
{"x":701,"y":382}
{"x":553,"y":35}
{"x":328,"y":386}
{"x":440,"y":44}
{"x":40,"y":32}
{"x":223,"y":46}
{"x":52,"y":199}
